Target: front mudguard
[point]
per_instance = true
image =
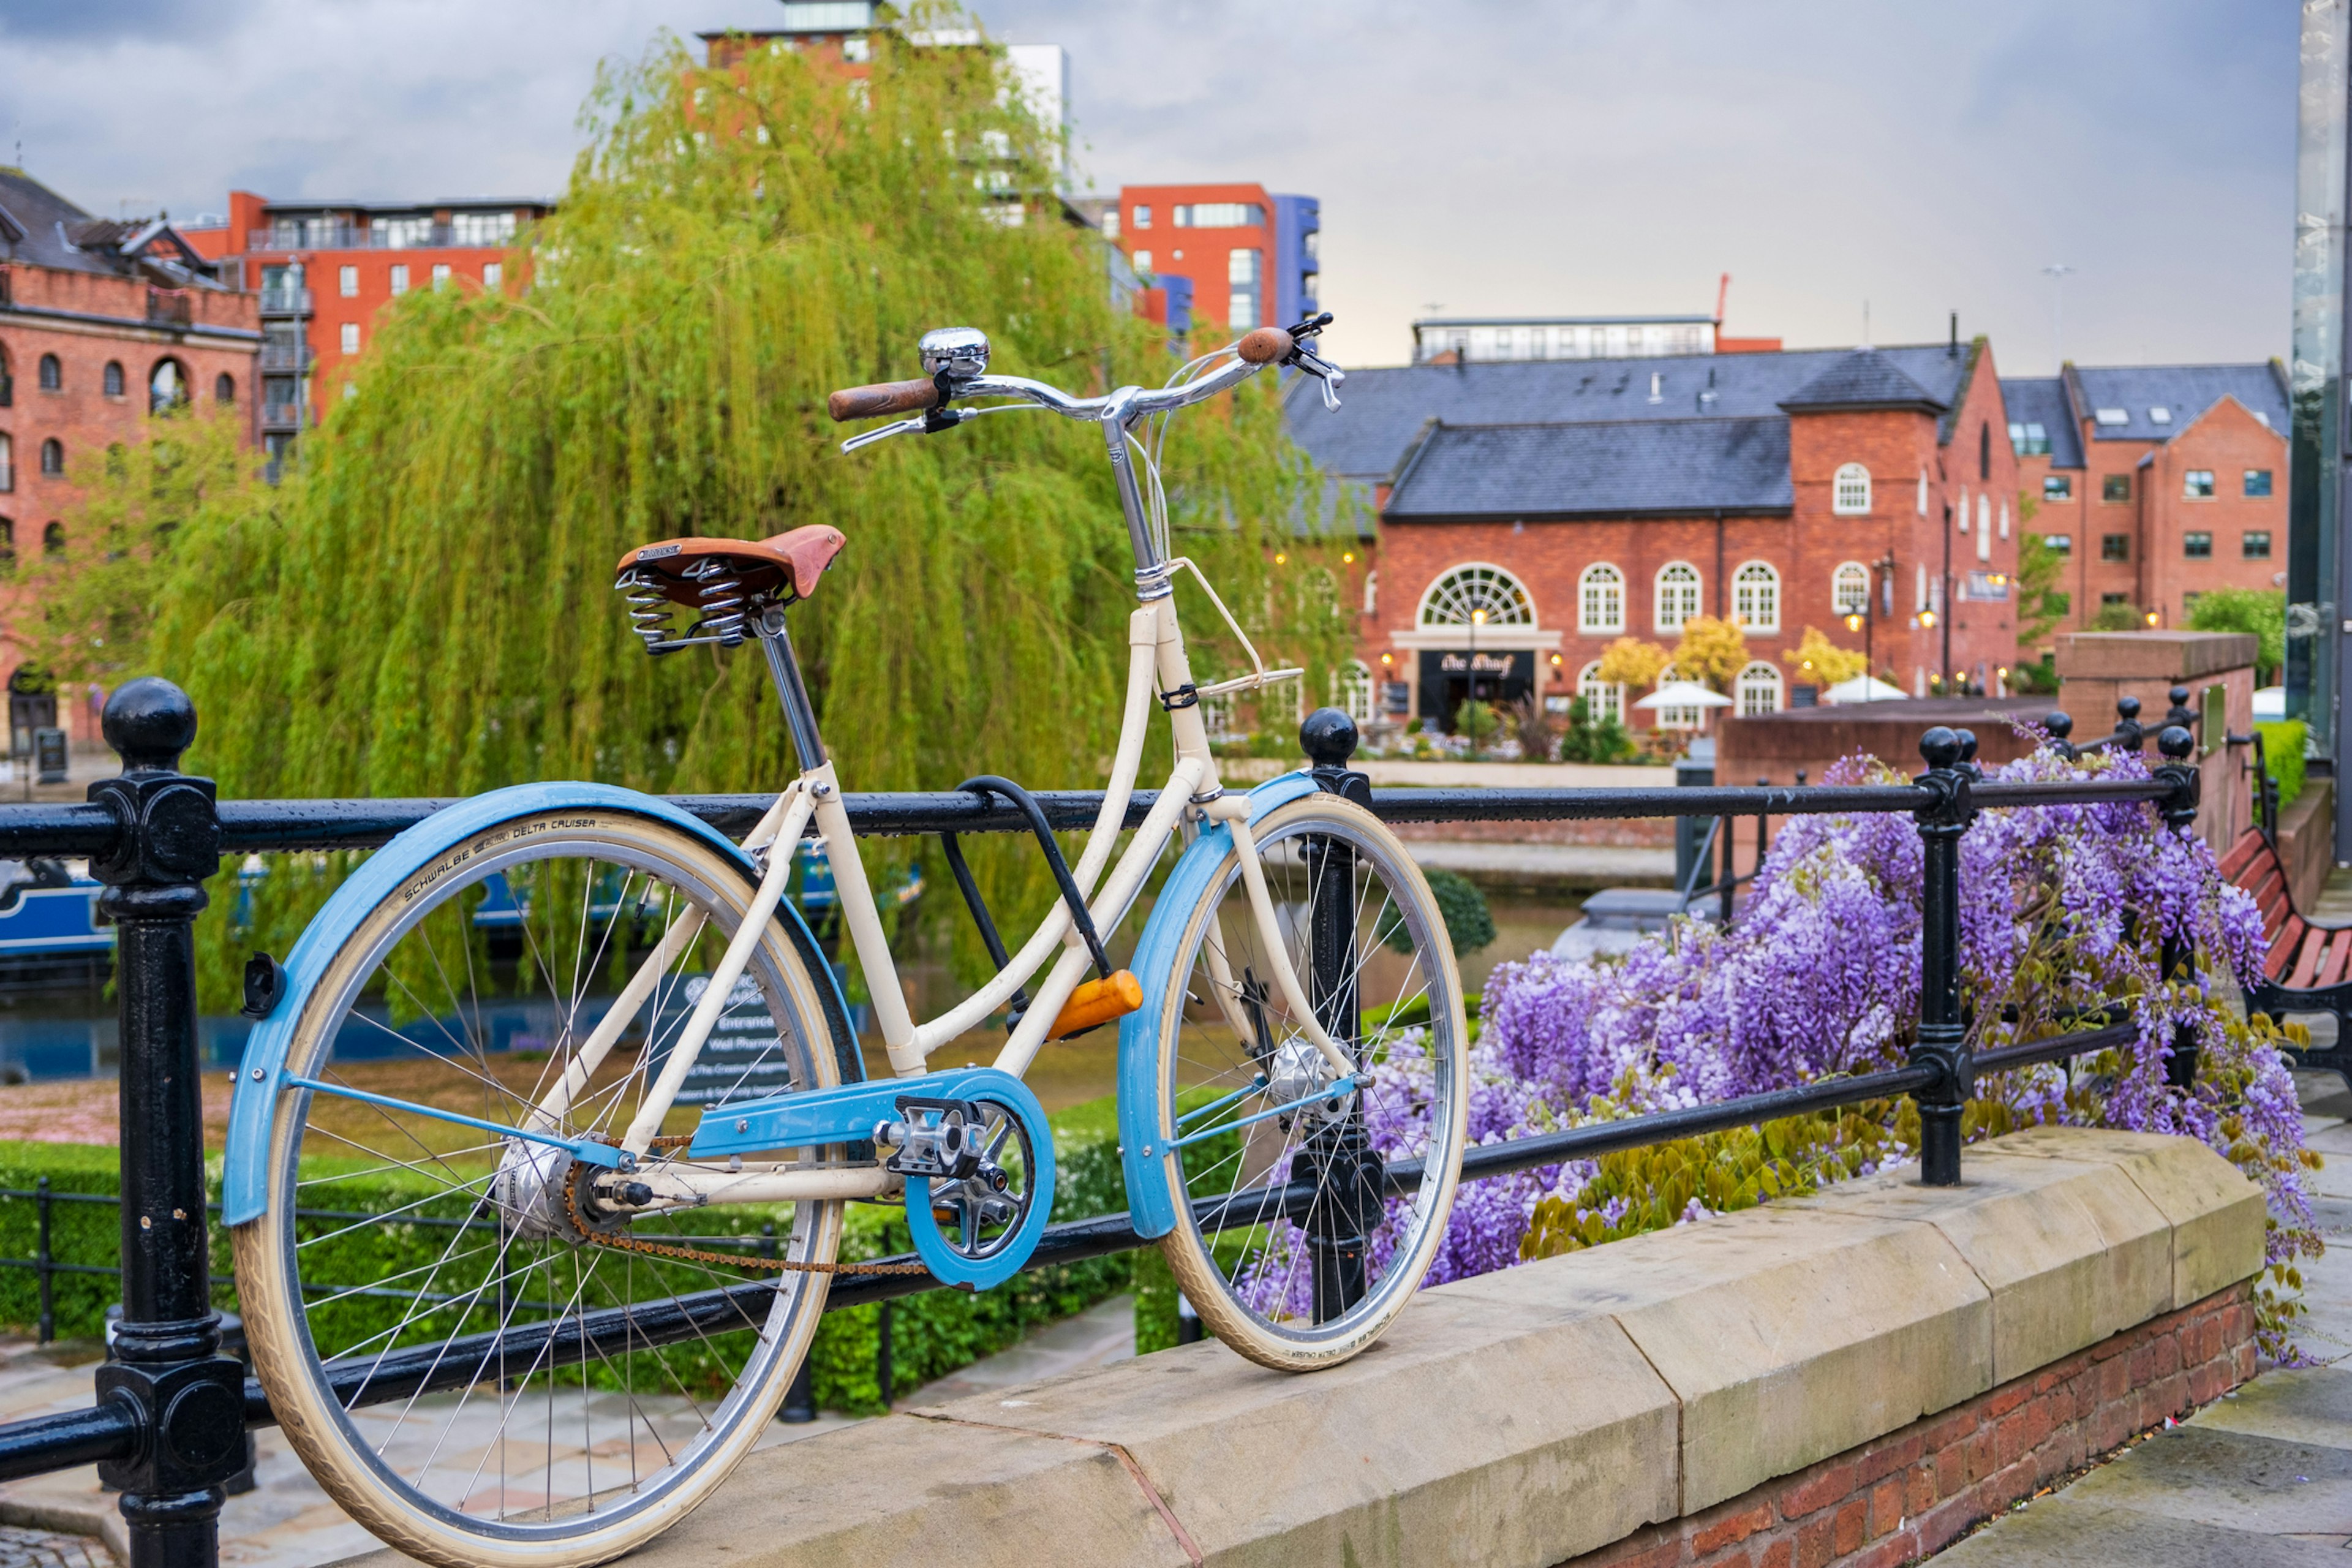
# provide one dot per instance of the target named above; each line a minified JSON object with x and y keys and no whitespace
{"x":1150,"y":1192}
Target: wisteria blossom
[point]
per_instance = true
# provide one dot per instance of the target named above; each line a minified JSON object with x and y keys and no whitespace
{"x":2062,"y":907}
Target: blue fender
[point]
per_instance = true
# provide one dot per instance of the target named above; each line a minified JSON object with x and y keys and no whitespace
{"x":260,"y":1075}
{"x":1150,"y":1201}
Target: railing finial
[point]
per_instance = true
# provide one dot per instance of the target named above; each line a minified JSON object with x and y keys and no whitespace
{"x":150,"y":722}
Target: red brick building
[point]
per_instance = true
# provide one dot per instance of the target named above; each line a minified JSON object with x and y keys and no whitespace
{"x":324,"y":269}
{"x":1251,"y":259}
{"x":2156,"y":482}
{"x":103,"y":323}
{"x":1533,"y":513}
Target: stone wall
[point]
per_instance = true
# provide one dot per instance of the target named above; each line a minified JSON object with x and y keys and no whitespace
{"x":1732,"y":1379}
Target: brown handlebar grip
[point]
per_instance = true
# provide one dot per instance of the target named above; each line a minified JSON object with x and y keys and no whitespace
{"x":1265,"y":345}
{"x":889,"y":397}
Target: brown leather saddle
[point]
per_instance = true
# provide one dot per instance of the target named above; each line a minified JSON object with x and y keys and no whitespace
{"x":718,"y":579}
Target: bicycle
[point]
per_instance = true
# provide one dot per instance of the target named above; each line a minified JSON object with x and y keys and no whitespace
{"x":573,"y":1368}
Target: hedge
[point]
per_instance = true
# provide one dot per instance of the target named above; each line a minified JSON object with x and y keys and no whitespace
{"x":931,"y":1334}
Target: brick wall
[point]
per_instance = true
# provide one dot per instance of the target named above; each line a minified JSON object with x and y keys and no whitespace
{"x":1913,"y":1492}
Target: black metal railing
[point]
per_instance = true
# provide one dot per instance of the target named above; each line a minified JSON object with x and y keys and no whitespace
{"x":169,"y":1425}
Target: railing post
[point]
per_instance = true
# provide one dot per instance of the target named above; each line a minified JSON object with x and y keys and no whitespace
{"x":886,"y":1375}
{"x":2178,"y":745}
{"x":2129,"y":736}
{"x":1337,"y":1157}
{"x":43,"y":1261}
{"x":2061,"y":724}
{"x":1943,"y":1039}
{"x":165,"y":1361}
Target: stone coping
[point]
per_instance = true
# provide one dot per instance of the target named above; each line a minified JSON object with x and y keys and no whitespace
{"x":1527,"y":1416}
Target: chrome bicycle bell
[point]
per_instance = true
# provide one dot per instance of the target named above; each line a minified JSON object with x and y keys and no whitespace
{"x":960,"y":351}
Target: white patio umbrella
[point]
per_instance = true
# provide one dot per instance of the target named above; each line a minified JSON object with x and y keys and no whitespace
{"x":1682,"y":694}
{"x":1862,"y":688}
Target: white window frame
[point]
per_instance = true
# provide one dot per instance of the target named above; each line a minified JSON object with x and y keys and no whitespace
{"x":1482,"y":585}
{"x":1849,"y":588}
{"x":347,"y":282}
{"x":8,"y":463}
{"x":1601,"y":582}
{"x":1849,"y":491}
{"x":1675,"y":717}
{"x":1759,"y":690}
{"x":494,"y":276}
{"x":399,"y":278}
{"x":351,"y":337}
{"x":1984,"y":527}
{"x":1678,"y":592}
{"x":1353,"y":690}
{"x":1756,"y":597}
{"x":1603,"y":700}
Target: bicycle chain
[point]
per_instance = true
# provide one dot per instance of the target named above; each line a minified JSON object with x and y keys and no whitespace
{"x":700,"y":1255}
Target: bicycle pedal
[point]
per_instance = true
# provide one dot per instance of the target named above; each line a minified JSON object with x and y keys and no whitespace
{"x":1096,"y":1003}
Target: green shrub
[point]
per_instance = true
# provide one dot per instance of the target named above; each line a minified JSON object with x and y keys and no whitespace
{"x":931,"y":1334}
{"x":2282,"y":741}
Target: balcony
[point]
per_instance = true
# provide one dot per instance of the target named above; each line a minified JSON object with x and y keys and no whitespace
{"x":168,"y":308}
{"x":285,"y":359}
{"x":284,"y":416}
{"x":286,"y":299}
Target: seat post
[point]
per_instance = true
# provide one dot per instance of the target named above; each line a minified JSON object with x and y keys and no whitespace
{"x":785,"y":671}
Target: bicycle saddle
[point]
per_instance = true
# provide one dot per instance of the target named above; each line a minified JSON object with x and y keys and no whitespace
{"x":786,"y":566}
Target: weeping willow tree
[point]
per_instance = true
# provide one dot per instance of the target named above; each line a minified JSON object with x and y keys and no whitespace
{"x":425,"y":606}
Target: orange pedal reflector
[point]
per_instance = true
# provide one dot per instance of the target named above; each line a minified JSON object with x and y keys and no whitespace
{"x":1096,"y":1003}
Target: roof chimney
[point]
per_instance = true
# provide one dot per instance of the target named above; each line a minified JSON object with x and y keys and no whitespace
{"x":1953,"y":352}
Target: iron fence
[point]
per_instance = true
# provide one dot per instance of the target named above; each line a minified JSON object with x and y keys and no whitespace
{"x":169,"y":1422}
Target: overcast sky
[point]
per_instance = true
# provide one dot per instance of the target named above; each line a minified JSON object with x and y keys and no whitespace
{"x":1475,"y":155}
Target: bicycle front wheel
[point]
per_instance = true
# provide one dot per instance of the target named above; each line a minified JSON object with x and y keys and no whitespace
{"x":1284,"y":1242}
{"x":479,"y":1351}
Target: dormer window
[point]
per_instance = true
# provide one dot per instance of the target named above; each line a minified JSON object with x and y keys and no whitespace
{"x":2159,"y":415}
{"x":2113,"y":416}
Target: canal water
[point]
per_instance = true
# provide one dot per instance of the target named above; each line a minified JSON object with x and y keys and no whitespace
{"x":63,"y":1031}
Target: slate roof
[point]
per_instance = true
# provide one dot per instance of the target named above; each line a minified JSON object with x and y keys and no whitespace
{"x":1602,"y":468}
{"x":2188,"y":390}
{"x":1865,"y":378}
{"x":2041,"y":400}
{"x":41,"y":229}
{"x":1386,"y":407}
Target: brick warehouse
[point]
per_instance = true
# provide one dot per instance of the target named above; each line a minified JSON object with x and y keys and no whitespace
{"x":1579,"y":501}
{"x":101,"y":323}
{"x":2156,"y":482}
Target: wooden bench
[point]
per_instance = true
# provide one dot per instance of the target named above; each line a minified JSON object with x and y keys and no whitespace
{"x":2308,"y":966}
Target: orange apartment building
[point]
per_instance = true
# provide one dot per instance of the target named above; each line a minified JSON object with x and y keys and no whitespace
{"x":102,"y":324}
{"x":1241,"y":255}
{"x":1533,"y":511}
{"x":325,"y":269}
{"x":2156,"y":482}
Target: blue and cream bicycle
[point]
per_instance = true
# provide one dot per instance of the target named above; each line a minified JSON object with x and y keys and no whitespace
{"x":589,"y":1043}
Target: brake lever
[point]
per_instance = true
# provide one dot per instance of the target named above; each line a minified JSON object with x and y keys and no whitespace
{"x":1326,"y":374}
{"x":868,"y":438}
{"x":930,"y":424}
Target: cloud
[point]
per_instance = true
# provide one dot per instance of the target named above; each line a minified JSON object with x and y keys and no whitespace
{"x":1492,"y":155}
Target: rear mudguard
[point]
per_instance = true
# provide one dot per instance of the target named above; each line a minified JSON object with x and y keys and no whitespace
{"x":1150,"y":1196}
{"x":471,"y":825}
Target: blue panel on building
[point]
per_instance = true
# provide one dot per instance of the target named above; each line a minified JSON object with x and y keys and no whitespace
{"x":1298,"y":259}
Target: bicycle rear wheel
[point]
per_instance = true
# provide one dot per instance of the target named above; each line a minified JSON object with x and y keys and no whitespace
{"x":460,"y":1330}
{"x":1284,"y":1242}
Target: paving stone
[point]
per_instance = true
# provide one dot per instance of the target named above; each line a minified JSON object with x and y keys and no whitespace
{"x":23,"y":1548}
{"x":2061,"y":1532}
{"x":2229,"y":1479}
{"x":2312,"y":1404}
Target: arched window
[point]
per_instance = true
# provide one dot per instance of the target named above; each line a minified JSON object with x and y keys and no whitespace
{"x":1849,"y":588}
{"x":1477,"y":595}
{"x":1351,"y":689}
{"x":1372,"y":592}
{"x":1678,"y":593}
{"x":53,"y":375}
{"x":1601,"y":600}
{"x":1604,"y":700}
{"x":53,"y":457}
{"x":1756,"y":597}
{"x":1759,"y":690}
{"x":7,"y":464}
{"x":1984,"y":527}
{"x":112,"y":378}
{"x":52,"y":538}
{"x":1984,"y":451}
{"x":224,"y":388}
{"x":1923,"y":492}
{"x":1850,"y":491}
{"x":167,"y":385}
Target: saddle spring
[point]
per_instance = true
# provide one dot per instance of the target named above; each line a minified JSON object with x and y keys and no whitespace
{"x":720,"y":597}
